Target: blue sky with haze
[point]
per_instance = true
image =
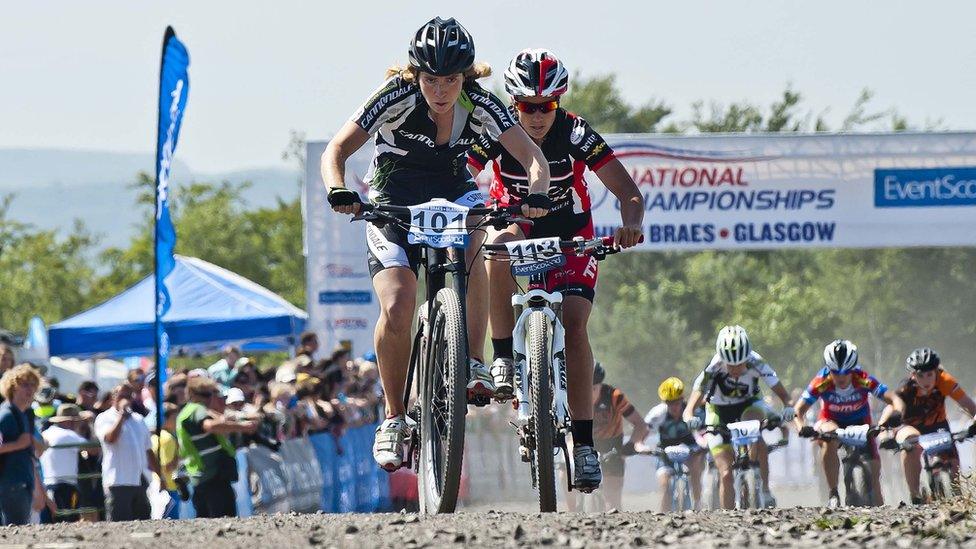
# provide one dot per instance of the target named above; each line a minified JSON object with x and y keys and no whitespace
{"x":83,"y":75}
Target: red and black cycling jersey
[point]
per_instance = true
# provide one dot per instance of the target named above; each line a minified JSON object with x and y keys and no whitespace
{"x":571,"y":146}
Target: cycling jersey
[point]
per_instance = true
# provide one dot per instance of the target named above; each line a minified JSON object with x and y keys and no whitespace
{"x":571,"y":146}
{"x":847,"y":406}
{"x":609,"y":412}
{"x":408,"y":167}
{"x":928,"y":412}
{"x":721,"y":389}
{"x":670,"y":430}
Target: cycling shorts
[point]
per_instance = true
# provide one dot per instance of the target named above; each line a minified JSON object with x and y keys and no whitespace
{"x":387,"y":245}
{"x":578,"y":276}
{"x":721,"y":416}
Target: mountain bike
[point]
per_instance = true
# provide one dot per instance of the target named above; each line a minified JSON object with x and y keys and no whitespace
{"x":854,"y":440}
{"x":439,"y":356}
{"x":540,"y":353}
{"x":676,"y":457}
{"x":937,"y":481}
{"x":747,"y":479}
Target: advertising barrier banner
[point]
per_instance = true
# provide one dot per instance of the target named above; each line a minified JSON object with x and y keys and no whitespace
{"x":705,"y":192}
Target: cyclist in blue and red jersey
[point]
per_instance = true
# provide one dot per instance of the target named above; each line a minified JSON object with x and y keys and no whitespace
{"x":843,"y":389}
{"x":535,"y":80}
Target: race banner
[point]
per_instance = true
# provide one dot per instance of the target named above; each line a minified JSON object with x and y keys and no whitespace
{"x":728,"y":192}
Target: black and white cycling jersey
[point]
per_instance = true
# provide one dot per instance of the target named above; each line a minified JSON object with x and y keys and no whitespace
{"x":408,"y":167}
{"x":721,"y":389}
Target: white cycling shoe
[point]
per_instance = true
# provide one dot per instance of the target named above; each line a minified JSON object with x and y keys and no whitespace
{"x":388,"y":445}
{"x":502,"y":372}
{"x":480,"y":383}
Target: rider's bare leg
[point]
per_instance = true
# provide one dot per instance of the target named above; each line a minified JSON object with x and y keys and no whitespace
{"x":613,"y":488}
{"x":396,"y":290}
{"x":695,"y":467}
{"x":477,"y":298}
{"x":502,"y":286}
{"x":877,"y":498}
{"x":664,"y":485}
{"x":911,"y":460}
{"x":723,"y":461}
{"x":828,"y":455}
{"x":579,"y":357}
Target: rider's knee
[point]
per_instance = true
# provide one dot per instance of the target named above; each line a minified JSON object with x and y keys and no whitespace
{"x":397,"y":311}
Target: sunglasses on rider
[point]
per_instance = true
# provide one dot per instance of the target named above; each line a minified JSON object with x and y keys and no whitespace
{"x":531,"y":108}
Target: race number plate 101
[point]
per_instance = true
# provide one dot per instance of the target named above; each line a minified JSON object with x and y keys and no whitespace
{"x":438,"y":224}
{"x":536,"y":255}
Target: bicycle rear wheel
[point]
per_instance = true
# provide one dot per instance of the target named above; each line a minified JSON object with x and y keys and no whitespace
{"x":543,"y":426}
{"x":680,"y":496}
{"x":858,"y":486}
{"x":443,"y":406}
{"x":943,"y":488}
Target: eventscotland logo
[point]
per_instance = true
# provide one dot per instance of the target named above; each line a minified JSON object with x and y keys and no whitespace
{"x":332,"y":297}
{"x":908,"y":188}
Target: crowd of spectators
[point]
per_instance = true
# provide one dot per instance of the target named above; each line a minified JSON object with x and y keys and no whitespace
{"x":95,"y":455}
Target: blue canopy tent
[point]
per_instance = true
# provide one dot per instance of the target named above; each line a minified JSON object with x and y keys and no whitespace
{"x":211,"y":307}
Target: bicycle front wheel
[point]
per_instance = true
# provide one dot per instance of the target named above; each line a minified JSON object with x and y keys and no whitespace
{"x":443,"y":406}
{"x":543,"y":427}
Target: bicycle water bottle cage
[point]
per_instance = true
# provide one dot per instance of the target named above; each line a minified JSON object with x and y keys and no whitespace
{"x":678,"y":454}
{"x":935,"y":443}
{"x":744,"y":433}
{"x":856,"y":435}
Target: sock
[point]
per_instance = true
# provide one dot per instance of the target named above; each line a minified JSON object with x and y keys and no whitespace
{"x":502,"y":347}
{"x":582,"y":432}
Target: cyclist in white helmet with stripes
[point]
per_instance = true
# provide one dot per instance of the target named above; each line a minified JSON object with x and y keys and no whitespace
{"x":729,"y":387}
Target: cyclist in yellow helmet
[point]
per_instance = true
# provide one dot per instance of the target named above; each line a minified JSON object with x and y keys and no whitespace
{"x":665,"y":420}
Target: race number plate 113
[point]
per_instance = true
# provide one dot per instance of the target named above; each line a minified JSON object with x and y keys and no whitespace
{"x":536,"y":255}
{"x":438,"y":224}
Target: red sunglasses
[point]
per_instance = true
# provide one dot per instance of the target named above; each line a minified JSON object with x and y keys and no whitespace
{"x":531,"y":108}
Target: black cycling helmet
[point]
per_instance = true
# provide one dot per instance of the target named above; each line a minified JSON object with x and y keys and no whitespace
{"x":442,"y":47}
{"x":922,"y":359}
{"x":599,"y":374}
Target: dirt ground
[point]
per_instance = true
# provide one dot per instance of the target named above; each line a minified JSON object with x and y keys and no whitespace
{"x":905,"y":526}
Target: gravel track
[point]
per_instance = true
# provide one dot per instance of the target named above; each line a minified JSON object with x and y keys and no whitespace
{"x":923,"y":526}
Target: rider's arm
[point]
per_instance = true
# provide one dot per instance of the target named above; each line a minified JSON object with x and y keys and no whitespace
{"x":782,"y":394}
{"x":640,"y":431}
{"x":966,"y":403}
{"x":351,"y":138}
{"x":522,"y":148}
{"x":895,"y":404}
{"x":799,"y":419}
{"x":693,"y":402}
{"x":621,"y":184}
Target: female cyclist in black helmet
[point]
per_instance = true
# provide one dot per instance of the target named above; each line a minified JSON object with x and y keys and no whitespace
{"x":424,"y":117}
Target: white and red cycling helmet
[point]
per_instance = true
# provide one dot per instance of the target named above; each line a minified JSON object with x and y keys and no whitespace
{"x":536,"y":73}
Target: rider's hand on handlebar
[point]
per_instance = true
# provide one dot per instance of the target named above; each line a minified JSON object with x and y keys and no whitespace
{"x":344,"y":201}
{"x":536,"y":205}
{"x":807,"y":431}
{"x":694,"y":423}
{"x":627,"y":236}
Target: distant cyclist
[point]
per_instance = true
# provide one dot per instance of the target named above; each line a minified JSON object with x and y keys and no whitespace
{"x":729,"y":387}
{"x":535,"y":80}
{"x":924,"y":394}
{"x":424,"y":118}
{"x":843,"y":387}
{"x":610,"y":408}
{"x":665,"y":420}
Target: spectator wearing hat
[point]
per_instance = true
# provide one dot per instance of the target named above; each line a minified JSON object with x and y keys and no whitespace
{"x":59,"y":462}
{"x":17,"y":479}
{"x":126,"y":457}
{"x":208,"y":454}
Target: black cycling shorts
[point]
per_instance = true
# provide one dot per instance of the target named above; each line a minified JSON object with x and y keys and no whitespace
{"x":387,"y":246}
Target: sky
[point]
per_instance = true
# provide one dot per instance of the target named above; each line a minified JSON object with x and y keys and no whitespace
{"x":84,"y":75}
